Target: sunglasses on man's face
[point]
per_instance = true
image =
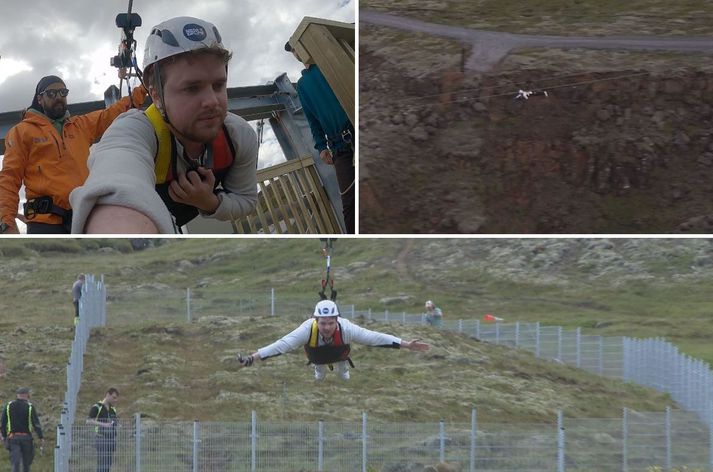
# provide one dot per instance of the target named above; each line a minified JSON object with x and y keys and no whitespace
{"x":52,"y":93}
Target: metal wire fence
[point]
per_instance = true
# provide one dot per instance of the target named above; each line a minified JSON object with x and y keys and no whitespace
{"x":634,"y":442}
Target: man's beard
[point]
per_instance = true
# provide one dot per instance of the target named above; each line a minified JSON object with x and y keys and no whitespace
{"x":57,"y":111}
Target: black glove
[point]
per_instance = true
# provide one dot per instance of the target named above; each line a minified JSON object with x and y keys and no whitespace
{"x":246,"y":361}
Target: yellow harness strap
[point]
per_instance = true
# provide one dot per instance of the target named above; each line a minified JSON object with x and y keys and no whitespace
{"x":163,"y":134}
{"x":313,"y":335}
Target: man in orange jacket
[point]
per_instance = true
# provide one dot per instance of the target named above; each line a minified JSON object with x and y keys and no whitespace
{"x":48,"y":151}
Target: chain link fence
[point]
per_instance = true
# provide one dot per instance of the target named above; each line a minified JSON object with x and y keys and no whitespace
{"x":634,"y":442}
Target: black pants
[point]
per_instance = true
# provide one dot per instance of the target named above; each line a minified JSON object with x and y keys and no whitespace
{"x":22,"y":452}
{"x":46,"y":228}
{"x":344,"y":166}
{"x":76,"y":309}
{"x":105,"y":452}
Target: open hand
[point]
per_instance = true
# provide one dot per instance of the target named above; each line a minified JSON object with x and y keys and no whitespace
{"x":415,"y":345}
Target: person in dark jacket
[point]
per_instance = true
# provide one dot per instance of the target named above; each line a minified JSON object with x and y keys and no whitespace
{"x":104,"y":418}
{"x":18,"y":421}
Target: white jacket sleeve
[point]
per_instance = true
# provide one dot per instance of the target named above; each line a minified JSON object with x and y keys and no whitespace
{"x":353,"y":332}
{"x":291,"y":341}
{"x":121,"y":172}
{"x":240,"y":182}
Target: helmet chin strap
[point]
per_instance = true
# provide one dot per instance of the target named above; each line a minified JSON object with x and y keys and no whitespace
{"x":159,"y":91}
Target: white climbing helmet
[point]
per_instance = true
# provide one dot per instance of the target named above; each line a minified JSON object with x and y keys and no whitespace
{"x":326,"y":308}
{"x":179,"y":35}
{"x":429,"y":304}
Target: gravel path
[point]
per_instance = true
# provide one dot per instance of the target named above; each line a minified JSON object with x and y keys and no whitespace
{"x":490,"y":47}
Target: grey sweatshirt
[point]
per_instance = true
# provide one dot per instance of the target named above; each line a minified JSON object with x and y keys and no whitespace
{"x":121,"y":172}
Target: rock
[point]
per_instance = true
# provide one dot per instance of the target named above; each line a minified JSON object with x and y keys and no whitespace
{"x":397,"y":119}
{"x":418,"y":134}
{"x":185,"y":264}
{"x":706,"y":159}
{"x":480,"y":107}
{"x":681,"y":139}
{"x":603,"y":114}
{"x":395,"y":300}
{"x":411,"y":120}
{"x":673,"y":87}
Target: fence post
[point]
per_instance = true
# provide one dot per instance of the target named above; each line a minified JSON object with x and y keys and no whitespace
{"x":579,"y":346}
{"x":668,"y":438}
{"x":710,"y":439}
{"x":497,"y":332}
{"x":188,"y":304}
{"x":442,"y":441}
{"x":363,"y":442}
{"x":320,"y":447}
{"x":477,"y":329}
{"x":460,"y":326}
{"x":368,"y":314}
{"x":386,"y":315}
{"x":253,"y":441}
{"x":403,"y":317}
{"x":624,"y":439}
{"x":600,"y":366}
{"x":560,"y":442}
{"x":559,"y":343}
{"x":58,"y":450}
{"x":537,"y":339}
{"x":196,"y":440}
{"x":517,"y":334}
{"x":272,"y":302}
{"x":137,"y":440}
{"x":624,"y":359}
{"x":473,"y":436}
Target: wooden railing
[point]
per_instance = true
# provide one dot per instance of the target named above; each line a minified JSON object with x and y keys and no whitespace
{"x":291,"y":200}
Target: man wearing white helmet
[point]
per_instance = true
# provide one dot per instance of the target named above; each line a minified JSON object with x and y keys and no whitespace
{"x":156,"y":170}
{"x":327,"y":339}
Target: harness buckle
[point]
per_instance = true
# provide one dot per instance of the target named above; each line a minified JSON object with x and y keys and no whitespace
{"x":39,"y":205}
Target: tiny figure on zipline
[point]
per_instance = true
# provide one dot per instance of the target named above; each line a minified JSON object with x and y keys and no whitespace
{"x":526,"y":94}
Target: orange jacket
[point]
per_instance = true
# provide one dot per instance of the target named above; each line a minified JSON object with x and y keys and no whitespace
{"x":50,"y":164}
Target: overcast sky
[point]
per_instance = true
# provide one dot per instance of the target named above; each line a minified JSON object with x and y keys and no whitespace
{"x":75,"y":39}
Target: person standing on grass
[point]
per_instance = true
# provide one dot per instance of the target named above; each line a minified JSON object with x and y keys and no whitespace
{"x":77,"y":295}
{"x":105,"y":420}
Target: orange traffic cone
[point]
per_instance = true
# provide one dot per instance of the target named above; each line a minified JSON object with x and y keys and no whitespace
{"x":489,"y":317}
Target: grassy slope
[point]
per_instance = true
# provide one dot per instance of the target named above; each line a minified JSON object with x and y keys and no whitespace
{"x":685,"y":17}
{"x":162,"y":367}
{"x":189,"y":371}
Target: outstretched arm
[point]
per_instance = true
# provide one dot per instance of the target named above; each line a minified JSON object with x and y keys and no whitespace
{"x":298,"y":337}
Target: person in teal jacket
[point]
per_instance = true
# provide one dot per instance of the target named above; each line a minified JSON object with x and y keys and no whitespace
{"x":332,"y":131}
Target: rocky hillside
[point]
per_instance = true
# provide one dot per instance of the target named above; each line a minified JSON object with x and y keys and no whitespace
{"x":619,"y":152}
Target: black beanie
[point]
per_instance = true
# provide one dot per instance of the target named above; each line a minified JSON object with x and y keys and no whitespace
{"x":41,"y":86}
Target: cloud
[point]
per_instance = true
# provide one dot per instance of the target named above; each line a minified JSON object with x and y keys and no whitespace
{"x":76,"y":39}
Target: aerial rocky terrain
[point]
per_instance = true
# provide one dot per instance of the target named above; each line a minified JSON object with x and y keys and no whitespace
{"x":451,"y":151}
